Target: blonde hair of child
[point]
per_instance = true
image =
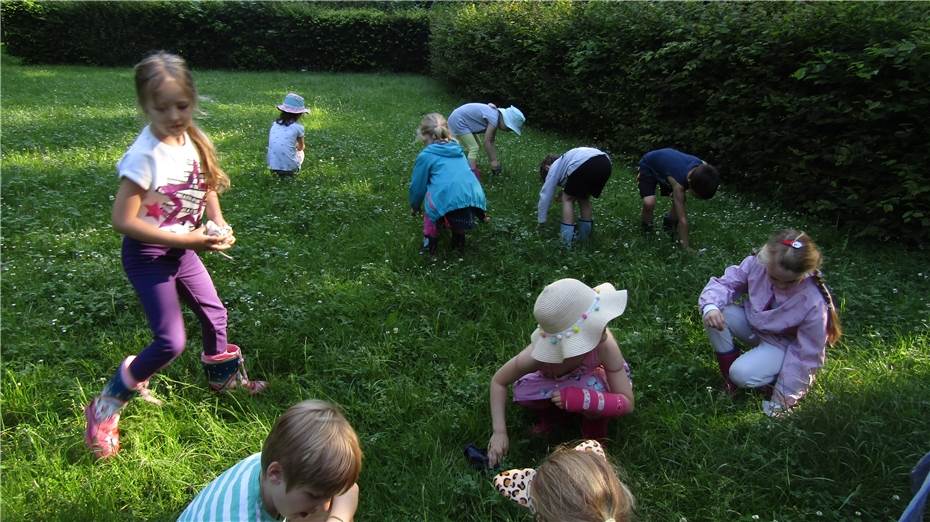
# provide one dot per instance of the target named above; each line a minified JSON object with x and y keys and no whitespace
{"x":150,"y":73}
{"x":433,"y":126}
{"x":579,"y":486}
{"x":316,"y":447}
{"x":806,"y":259}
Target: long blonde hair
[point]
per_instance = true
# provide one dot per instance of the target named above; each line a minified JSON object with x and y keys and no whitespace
{"x":433,"y":126}
{"x":150,"y":73}
{"x":579,"y":486}
{"x":795,"y":251}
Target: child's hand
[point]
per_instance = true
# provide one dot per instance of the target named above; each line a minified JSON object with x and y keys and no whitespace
{"x":497,"y":448}
{"x":200,"y":241}
{"x":224,"y":231}
{"x":557,"y":400}
{"x":715,"y":319}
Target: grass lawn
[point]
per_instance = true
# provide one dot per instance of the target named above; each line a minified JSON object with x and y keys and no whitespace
{"x":329,"y":299}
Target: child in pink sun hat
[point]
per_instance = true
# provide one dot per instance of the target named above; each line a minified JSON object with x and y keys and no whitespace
{"x":572,"y":364}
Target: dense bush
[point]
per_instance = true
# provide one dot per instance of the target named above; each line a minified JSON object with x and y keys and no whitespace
{"x":230,"y":35}
{"x":822,"y":104}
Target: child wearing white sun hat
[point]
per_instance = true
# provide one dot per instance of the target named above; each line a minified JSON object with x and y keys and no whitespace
{"x":572,"y":364}
{"x":471,"y":119}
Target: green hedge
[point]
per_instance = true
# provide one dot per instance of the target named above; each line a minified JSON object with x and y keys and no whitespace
{"x":226,"y":35}
{"x":821,"y":104}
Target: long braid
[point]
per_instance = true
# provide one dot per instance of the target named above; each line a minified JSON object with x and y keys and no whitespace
{"x":834,"y":330}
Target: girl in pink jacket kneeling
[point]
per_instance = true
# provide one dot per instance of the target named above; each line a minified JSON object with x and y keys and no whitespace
{"x":788,"y":318}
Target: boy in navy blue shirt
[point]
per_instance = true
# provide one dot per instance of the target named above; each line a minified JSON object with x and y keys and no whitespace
{"x":675,"y":173}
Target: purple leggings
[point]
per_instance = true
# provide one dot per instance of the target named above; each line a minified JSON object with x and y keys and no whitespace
{"x":162,"y":277}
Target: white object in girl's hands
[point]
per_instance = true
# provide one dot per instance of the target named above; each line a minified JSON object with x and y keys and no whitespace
{"x":215,"y":230}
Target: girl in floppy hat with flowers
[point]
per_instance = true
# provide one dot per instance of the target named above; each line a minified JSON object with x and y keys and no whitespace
{"x":572,"y":364}
{"x":788,"y":318}
{"x":286,"y":137}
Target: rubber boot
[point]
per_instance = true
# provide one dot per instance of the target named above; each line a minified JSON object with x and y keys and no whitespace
{"x":102,"y":414}
{"x":227,"y":370}
{"x":585,"y":229}
{"x":568,"y":234}
{"x":724,"y":361}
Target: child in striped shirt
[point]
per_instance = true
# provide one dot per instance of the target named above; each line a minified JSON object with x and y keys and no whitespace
{"x":307,"y":470}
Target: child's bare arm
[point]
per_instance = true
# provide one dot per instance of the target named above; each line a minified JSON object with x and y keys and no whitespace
{"x":300,"y":143}
{"x":612,"y":359}
{"x":489,"y":135}
{"x":519,"y":365}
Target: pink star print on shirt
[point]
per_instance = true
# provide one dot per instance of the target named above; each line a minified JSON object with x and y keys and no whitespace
{"x":154,"y":210}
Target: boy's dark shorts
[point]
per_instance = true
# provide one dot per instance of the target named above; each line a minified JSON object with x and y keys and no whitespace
{"x":589,"y":178}
{"x":648,"y":183}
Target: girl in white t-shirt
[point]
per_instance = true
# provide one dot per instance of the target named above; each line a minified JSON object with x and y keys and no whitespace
{"x":286,"y":137}
{"x":169,"y":179}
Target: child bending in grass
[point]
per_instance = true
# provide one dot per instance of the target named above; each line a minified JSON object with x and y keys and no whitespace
{"x":788,"y":318}
{"x":572,"y":364}
{"x":442,"y":187}
{"x":307,"y":471}
{"x":483,"y":118}
{"x":582,"y":173}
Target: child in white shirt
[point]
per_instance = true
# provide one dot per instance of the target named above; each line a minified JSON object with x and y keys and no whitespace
{"x":286,"y":137}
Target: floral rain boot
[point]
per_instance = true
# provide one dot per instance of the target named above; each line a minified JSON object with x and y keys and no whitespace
{"x":227,"y":370}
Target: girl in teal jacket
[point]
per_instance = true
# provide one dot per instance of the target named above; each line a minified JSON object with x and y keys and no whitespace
{"x":443,"y":186}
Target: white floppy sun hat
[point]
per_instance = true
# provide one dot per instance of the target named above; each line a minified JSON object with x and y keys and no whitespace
{"x":572,"y":317}
{"x":513,"y":119}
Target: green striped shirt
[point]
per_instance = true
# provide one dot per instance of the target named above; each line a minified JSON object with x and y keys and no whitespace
{"x":234,"y":496}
